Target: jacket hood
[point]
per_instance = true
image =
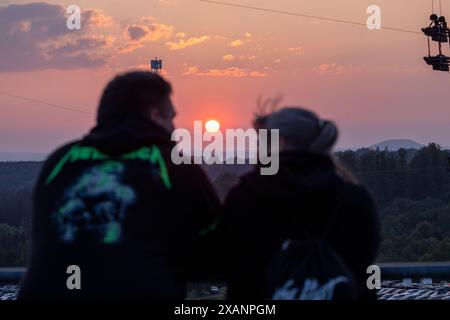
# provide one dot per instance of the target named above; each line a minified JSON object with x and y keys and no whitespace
{"x":121,"y":135}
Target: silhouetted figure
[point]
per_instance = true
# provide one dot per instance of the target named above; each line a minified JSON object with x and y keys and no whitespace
{"x":437,"y":30}
{"x":439,"y":63}
{"x":307,"y":196}
{"x":114,"y":205}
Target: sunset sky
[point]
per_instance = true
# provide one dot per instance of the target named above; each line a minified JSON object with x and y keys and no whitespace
{"x":374,"y":84}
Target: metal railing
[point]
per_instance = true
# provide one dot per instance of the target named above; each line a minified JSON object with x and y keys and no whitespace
{"x":12,"y":275}
{"x":437,"y":271}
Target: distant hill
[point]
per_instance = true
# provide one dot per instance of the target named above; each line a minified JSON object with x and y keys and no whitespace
{"x":21,"y":156}
{"x":396,"y":144}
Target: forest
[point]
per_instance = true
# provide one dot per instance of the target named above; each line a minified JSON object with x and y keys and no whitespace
{"x":411,"y":189}
{"x":16,"y":184}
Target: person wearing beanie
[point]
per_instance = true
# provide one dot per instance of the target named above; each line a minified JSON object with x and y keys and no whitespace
{"x":302,"y":130}
{"x":113,"y":217}
{"x":309,"y":188}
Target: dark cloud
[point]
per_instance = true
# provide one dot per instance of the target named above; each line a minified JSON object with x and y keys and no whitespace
{"x":79,"y":44}
{"x":136,"y":33}
{"x":148,"y":31}
{"x":34,"y":36}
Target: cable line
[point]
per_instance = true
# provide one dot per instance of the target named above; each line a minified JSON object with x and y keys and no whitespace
{"x":303,"y":15}
{"x":66,"y":108}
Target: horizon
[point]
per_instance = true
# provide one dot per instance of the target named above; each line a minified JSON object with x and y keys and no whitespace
{"x":373,"y":83}
{"x":24,"y":156}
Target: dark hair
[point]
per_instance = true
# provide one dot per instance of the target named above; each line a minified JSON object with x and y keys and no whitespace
{"x":259,"y":122}
{"x":132,"y":93}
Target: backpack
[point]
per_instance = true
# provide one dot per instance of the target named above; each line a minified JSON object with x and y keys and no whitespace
{"x":308,"y":268}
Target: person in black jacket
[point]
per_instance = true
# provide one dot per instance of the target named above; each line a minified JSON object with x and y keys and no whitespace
{"x":308,"y":187}
{"x":113,"y":205}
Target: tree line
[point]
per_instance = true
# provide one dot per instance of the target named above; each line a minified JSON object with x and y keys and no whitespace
{"x":411,"y":189}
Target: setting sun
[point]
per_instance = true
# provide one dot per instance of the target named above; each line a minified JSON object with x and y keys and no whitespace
{"x":212,"y":126}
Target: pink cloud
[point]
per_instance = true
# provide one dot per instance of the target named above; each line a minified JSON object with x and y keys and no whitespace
{"x":232,"y":72}
{"x":182,"y":43}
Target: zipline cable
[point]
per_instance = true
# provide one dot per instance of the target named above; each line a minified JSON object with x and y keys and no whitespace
{"x":229,"y":4}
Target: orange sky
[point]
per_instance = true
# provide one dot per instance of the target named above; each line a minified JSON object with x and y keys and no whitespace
{"x":219,"y":59}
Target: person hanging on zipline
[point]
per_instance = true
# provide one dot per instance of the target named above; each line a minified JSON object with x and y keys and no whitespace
{"x":438,"y":30}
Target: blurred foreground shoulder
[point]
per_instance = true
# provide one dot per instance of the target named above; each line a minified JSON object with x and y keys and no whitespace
{"x":53,"y":159}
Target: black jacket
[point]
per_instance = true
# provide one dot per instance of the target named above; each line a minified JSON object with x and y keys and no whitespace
{"x":115,"y":205}
{"x":262,"y":211}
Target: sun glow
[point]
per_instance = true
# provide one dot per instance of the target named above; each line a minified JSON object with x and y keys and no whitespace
{"x":212,"y":126}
